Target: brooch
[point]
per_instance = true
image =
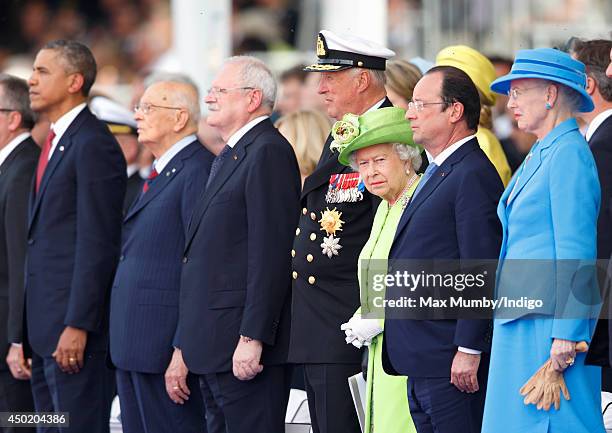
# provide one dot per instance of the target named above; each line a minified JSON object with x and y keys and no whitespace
{"x":331,"y":223}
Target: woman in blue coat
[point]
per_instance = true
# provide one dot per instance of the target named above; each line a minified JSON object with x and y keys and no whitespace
{"x":548,"y":214}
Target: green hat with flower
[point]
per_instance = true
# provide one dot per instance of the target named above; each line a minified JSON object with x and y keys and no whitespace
{"x":385,"y":125}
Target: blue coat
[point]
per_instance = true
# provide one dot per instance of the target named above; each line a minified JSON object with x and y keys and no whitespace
{"x":552,"y":215}
{"x":452,"y":217}
{"x":74,"y":236}
{"x":145,"y":293}
{"x":236,"y":273}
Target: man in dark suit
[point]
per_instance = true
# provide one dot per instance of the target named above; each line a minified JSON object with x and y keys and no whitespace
{"x":122,"y":125}
{"x":595,"y":55}
{"x":18,"y":156}
{"x":145,"y":293}
{"x":452,"y":216}
{"x":235,"y":283}
{"x":325,"y":288}
{"x":74,"y":240}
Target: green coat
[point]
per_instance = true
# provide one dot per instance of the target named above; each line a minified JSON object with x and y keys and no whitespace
{"x":386,"y":396}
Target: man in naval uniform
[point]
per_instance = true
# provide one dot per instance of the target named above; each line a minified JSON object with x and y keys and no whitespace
{"x":325,"y":287}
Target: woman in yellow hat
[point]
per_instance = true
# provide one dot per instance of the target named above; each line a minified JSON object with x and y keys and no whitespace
{"x":482,"y":73}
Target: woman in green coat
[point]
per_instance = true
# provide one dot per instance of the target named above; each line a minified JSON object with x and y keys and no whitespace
{"x":379,"y":146}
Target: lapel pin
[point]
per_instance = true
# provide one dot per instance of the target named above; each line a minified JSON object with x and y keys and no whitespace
{"x":173,"y":170}
{"x":235,"y":157}
{"x":167,"y":173}
{"x":61,"y":148}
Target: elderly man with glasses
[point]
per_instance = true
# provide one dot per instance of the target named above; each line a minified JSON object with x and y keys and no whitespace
{"x":236,"y":277}
{"x":157,"y":392}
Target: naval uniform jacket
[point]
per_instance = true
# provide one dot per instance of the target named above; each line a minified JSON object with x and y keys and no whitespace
{"x":326,"y":290}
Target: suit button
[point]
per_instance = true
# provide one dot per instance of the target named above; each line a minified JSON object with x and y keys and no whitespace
{"x":297,"y":231}
{"x":121,"y":257}
{"x":30,"y":241}
{"x":313,"y":216}
{"x":310,"y":258}
{"x":294,"y":275}
{"x":311,"y":279}
{"x":313,"y":236}
{"x":304,"y":211}
{"x":292,"y":253}
{"x":185,"y":259}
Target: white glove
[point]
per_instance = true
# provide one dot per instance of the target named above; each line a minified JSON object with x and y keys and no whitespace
{"x":365,"y":330}
{"x":347,"y":327}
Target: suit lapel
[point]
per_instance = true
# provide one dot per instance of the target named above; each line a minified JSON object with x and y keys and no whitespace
{"x":529,"y":167}
{"x":441,"y":174}
{"x":156,"y":187}
{"x":232,"y":161}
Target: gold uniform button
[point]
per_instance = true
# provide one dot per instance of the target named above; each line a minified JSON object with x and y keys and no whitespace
{"x":294,"y":275}
{"x":309,"y":257}
{"x":304,"y":211}
{"x":292,"y":253}
{"x":313,"y":216}
{"x":311,"y":279}
{"x":297,"y":231}
{"x":313,"y":236}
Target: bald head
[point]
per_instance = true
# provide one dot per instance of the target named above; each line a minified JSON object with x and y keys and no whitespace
{"x":169,"y":111}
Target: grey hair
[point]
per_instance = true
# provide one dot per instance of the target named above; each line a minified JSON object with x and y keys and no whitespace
{"x":379,"y":79}
{"x":404,"y":152}
{"x":254,"y":73}
{"x":192,"y":105}
{"x":15,"y":97}
{"x":76,"y":58}
{"x":571,"y":98}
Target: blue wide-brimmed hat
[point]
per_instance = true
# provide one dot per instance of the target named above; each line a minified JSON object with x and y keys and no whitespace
{"x":547,"y":64}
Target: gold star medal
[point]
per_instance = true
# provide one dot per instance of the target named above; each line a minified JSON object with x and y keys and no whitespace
{"x":331,"y":223}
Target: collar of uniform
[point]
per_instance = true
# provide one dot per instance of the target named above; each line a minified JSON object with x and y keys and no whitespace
{"x":236,"y":136}
{"x":12,"y":145}
{"x":596,"y":123}
{"x":163,"y":160}
{"x":438,"y":160}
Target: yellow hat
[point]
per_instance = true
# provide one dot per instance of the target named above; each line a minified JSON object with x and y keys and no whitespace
{"x":478,"y":67}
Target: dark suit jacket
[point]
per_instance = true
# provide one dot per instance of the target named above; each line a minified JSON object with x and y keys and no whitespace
{"x":453,"y":217}
{"x":145,"y":294}
{"x":15,"y":179}
{"x":132,"y":191}
{"x":320,"y":308}
{"x":74,"y":236}
{"x":236,"y":267}
{"x":601,"y":146}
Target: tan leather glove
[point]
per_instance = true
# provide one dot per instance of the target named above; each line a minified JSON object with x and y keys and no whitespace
{"x":545,"y":387}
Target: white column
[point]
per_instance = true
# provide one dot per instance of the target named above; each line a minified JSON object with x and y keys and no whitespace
{"x":201,"y":37}
{"x":365,"y":18}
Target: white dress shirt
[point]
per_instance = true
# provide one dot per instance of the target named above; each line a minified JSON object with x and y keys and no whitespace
{"x":62,"y":124}
{"x":596,"y":123}
{"x":163,"y":160}
{"x":12,"y":145}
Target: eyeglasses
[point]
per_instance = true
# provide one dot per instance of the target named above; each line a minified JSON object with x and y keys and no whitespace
{"x":514,"y":93}
{"x":145,"y":107}
{"x":419,"y":105}
{"x":216,"y":91}
{"x":7,"y":110}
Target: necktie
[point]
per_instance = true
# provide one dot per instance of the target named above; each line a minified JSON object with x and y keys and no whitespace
{"x":43,"y":160}
{"x":146,"y":184}
{"x":429,"y":171}
{"x":217,"y":163}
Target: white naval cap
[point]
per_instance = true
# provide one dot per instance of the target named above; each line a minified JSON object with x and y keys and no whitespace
{"x":119,"y":119}
{"x":336,"y":52}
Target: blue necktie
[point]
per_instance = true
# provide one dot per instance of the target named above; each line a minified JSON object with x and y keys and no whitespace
{"x":429,"y":171}
{"x":216,"y":165}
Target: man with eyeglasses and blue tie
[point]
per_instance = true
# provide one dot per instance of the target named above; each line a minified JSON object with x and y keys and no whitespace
{"x":236,"y":276}
{"x":452,"y":216}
